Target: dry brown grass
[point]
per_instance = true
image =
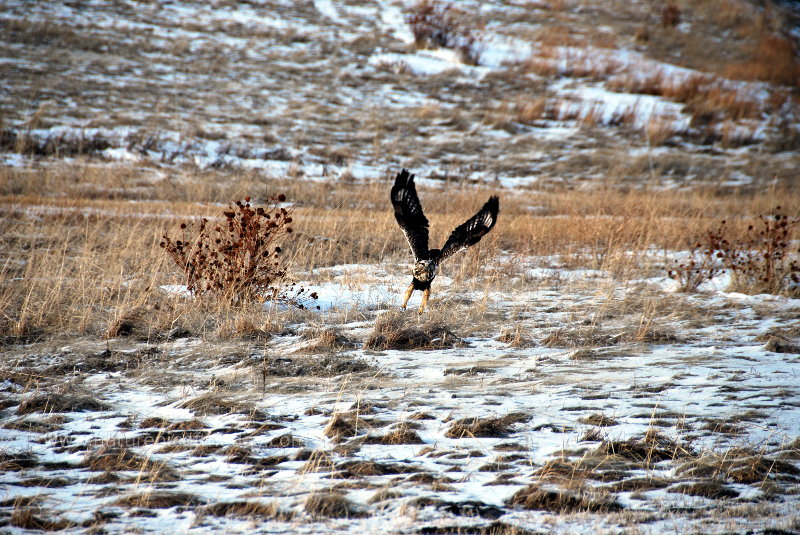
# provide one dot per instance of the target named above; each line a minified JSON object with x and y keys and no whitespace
{"x":331,"y":504}
{"x":584,"y":500}
{"x":74,"y":263}
{"x":773,"y":59}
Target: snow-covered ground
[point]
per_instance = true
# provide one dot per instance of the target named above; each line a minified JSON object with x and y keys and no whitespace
{"x":328,"y":89}
{"x":589,"y":375}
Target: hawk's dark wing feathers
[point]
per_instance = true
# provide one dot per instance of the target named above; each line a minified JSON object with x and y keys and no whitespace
{"x":409,"y":215}
{"x":472,"y":230}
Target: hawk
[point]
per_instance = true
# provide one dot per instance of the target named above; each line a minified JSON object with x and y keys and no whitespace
{"x":409,"y":215}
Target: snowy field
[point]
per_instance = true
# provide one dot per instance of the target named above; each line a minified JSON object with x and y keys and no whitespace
{"x":331,"y":90}
{"x":540,"y":393}
{"x":621,"y":405}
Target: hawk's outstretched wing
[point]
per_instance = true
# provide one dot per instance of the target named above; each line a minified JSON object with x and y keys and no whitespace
{"x":408,"y":212}
{"x":472,"y":230}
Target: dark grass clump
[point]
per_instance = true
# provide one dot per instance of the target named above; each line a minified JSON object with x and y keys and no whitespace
{"x":246,"y":509}
{"x":402,"y":435}
{"x":316,"y":366}
{"x":239,"y":259}
{"x":535,"y":497}
{"x":372,"y":468}
{"x":486,"y":427}
{"x":110,"y":457}
{"x":332,"y":505}
{"x":51,"y":402}
{"x":159,"y":500}
{"x":653,"y":447}
{"x":739,"y":466}
{"x":327,"y":340}
{"x":600,"y":420}
{"x":214,"y":403}
{"x":399,"y":330}
{"x":710,"y":488}
{"x":31,"y":518}
{"x":17,"y":461}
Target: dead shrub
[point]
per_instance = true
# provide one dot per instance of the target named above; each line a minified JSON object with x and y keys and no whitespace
{"x":400,"y":330}
{"x":239,"y":259}
{"x":434,"y":24}
{"x":762,"y":261}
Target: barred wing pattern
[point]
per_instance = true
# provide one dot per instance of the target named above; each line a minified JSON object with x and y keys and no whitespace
{"x":409,"y":215}
{"x":472,"y":230}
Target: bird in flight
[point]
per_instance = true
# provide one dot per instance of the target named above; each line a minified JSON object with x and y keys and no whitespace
{"x":409,"y":215}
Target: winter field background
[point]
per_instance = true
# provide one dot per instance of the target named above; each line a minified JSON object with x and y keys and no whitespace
{"x":561,"y":380}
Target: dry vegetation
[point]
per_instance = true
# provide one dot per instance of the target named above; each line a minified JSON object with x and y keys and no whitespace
{"x":77,"y":264}
{"x":552,"y":366}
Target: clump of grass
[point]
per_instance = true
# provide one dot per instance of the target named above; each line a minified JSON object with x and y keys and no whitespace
{"x":54,"y":402}
{"x":434,"y":24}
{"x":710,"y":488}
{"x":400,"y":330}
{"x":486,"y":427}
{"x":246,"y":509}
{"x":331,"y":504}
{"x":159,"y":500}
{"x":537,"y":497}
{"x":239,"y":259}
{"x":31,"y":518}
{"x":404,"y":434}
{"x":212,"y":403}
{"x":110,"y":457}
{"x":600,"y":420}
{"x":739,"y":466}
